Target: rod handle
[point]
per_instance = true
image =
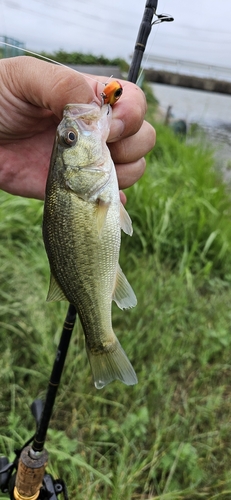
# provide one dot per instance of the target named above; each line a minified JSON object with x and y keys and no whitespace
{"x":30,"y":475}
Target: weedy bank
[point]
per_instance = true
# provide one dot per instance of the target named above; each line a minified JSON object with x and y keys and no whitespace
{"x":169,"y":436}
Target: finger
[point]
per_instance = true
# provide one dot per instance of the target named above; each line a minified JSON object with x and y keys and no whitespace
{"x":123,"y":197}
{"x":48,"y":85}
{"x":130,"y":110}
{"x":132,"y":148}
{"x":129,"y":173}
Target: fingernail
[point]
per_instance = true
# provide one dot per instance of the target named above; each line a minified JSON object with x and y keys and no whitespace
{"x":117,"y":128}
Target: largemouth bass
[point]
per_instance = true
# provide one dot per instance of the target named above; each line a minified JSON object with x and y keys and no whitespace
{"x":83,"y":217}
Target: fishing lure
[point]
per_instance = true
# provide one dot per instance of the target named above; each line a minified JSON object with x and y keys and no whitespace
{"x":112,"y":92}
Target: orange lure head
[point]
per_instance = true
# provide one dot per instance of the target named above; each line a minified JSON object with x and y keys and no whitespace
{"x":112,"y":93}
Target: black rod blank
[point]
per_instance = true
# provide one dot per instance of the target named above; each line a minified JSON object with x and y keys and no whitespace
{"x":41,"y":432}
{"x":142,"y":38}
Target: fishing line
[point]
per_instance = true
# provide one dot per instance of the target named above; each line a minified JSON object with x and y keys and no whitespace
{"x":53,"y":61}
{"x":159,"y":19}
{"x":111,"y":93}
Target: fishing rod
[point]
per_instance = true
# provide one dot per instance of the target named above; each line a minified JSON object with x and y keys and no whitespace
{"x":30,"y":480}
{"x":142,"y":38}
{"x":143,"y":34}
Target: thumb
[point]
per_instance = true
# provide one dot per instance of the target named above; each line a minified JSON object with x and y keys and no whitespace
{"x":47,"y":85}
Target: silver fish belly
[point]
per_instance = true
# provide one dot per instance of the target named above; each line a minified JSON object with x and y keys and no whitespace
{"x":83,"y":217}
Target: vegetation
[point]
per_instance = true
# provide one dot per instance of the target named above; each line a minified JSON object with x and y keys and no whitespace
{"x":80,"y":58}
{"x":168,"y":437}
{"x":71,"y":58}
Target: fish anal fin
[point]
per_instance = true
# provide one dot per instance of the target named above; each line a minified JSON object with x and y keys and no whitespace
{"x":123,"y":293}
{"x":101,"y":214}
{"x":111,"y":364}
{"x":125,"y":221}
{"x":54,"y":293}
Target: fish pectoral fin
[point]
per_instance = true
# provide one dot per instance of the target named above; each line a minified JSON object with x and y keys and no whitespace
{"x":54,"y":292}
{"x":125,"y":221}
{"x":111,"y":364}
{"x":101,"y":214}
{"x":123,"y":294}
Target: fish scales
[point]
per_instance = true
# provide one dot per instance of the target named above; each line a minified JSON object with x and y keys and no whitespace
{"x":82,"y":231}
{"x":97,"y":281}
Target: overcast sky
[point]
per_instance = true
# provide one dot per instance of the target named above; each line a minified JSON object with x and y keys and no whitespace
{"x":201,"y":30}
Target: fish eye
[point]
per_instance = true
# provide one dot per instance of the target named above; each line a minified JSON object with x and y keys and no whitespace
{"x":69,"y":137}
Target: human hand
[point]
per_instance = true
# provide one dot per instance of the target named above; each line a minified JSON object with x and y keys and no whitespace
{"x":33,"y":94}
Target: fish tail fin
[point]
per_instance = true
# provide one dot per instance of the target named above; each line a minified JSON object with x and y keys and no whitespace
{"x":111,"y":364}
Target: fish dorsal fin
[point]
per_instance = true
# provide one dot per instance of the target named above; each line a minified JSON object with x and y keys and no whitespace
{"x":54,"y":293}
{"x":123,"y":294}
{"x":101,"y":213}
{"x":125,"y":221}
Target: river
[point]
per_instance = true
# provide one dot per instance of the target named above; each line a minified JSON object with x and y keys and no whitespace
{"x":210,"y":110}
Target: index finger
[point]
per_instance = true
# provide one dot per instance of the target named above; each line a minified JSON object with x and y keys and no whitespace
{"x":130,"y":109}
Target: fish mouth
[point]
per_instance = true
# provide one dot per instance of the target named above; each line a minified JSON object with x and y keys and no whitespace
{"x":86,"y":112}
{"x":89,"y":117}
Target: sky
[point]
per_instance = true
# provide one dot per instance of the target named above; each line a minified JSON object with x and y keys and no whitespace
{"x":200,"y":31}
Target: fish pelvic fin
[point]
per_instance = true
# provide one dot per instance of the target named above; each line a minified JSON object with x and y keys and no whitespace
{"x":54,"y":292}
{"x":125,"y":220}
{"x":111,"y":364}
{"x":123,"y":294}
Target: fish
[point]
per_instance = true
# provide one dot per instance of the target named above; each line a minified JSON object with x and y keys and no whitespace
{"x":82,"y":222}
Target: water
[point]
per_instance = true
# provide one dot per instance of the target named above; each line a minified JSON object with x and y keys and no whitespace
{"x":210,"y":110}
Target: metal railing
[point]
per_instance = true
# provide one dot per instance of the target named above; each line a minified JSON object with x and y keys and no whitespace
{"x":191,"y":68}
{"x":16,"y":48}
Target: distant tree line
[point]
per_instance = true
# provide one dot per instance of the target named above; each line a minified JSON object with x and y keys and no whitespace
{"x":79,"y":58}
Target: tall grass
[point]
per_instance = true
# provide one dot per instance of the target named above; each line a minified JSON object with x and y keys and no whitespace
{"x":169,"y":436}
{"x":181,"y":209}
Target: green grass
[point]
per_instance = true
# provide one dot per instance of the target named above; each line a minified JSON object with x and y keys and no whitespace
{"x":181,"y":210}
{"x":168,"y":437}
